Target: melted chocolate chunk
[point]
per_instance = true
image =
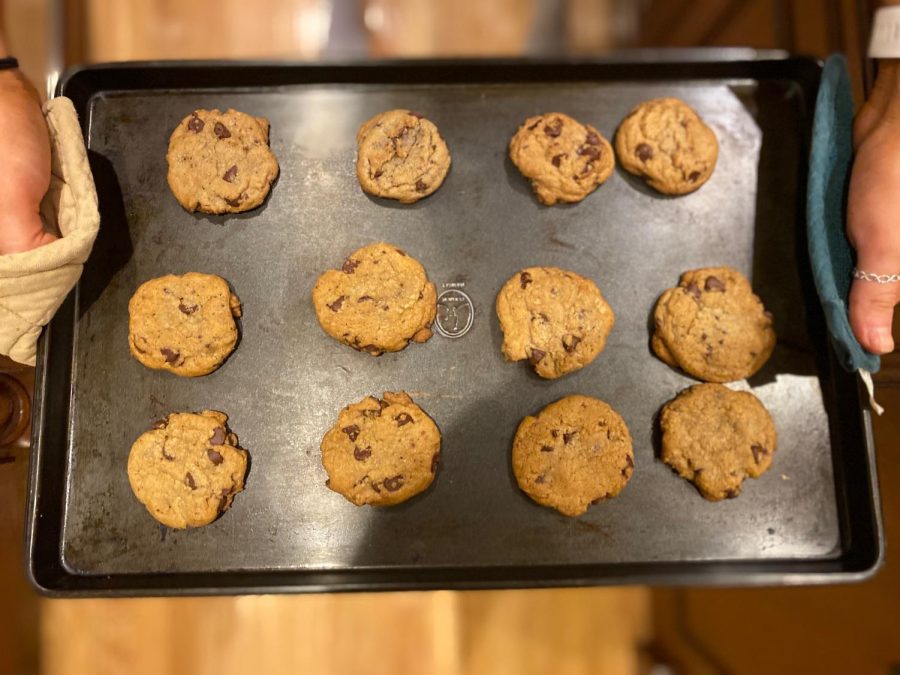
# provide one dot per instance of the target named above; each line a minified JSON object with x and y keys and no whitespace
{"x":218,"y":437}
{"x":713,"y":284}
{"x":403,"y":418}
{"x":361,"y":454}
{"x":230,"y":174}
{"x":693,"y":289}
{"x":758,"y":451}
{"x":568,"y":436}
{"x":554,"y":128}
{"x":336,"y":305}
{"x":525,"y":279}
{"x":189,"y":481}
{"x":644,"y":152}
{"x":421,"y":186}
{"x":170,"y":354}
{"x":394,"y":483}
{"x":570,"y":342}
{"x":536,"y":356}
{"x":546,"y":448}
{"x":185,"y":309}
{"x":557,"y":159}
{"x":435,"y":460}
{"x":349,"y":266}
{"x":214,"y":456}
{"x":694,"y":175}
{"x":221,"y":131}
{"x":591,"y":151}
{"x":195,"y":124}
{"x":352,"y":431}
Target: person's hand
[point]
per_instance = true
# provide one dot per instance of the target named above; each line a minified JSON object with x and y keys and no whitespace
{"x":873,"y":210}
{"x":24,"y":165}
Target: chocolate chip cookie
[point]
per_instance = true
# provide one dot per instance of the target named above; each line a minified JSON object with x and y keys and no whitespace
{"x":401,"y":155}
{"x":381,"y":451}
{"x":712,"y":326}
{"x":378,"y":300}
{"x":187,"y":469}
{"x":564,"y":159}
{"x":574,"y":453}
{"x":556,"y":319}
{"x":716,"y":438}
{"x":183,"y":324}
{"x":220,"y":162}
{"x":665,"y":141}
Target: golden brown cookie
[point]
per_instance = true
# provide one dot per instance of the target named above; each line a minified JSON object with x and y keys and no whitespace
{"x":665,"y":141}
{"x":712,"y":326}
{"x":564,"y":159}
{"x":401,"y":155}
{"x":574,"y":453}
{"x":556,"y":319}
{"x":187,"y":469}
{"x":378,"y":301}
{"x":381,"y":452}
{"x":183,"y":324}
{"x":220,"y":162}
{"x":716,"y":437}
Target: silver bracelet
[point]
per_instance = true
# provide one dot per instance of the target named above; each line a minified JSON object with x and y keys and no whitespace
{"x":877,"y":278}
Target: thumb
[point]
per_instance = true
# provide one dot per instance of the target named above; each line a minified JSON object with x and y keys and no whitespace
{"x":871,"y":314}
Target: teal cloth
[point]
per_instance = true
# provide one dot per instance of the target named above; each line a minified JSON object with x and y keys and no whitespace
{"x":829,"y":250}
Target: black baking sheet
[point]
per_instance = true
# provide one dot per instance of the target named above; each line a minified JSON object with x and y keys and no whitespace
{"x":812,"y":518}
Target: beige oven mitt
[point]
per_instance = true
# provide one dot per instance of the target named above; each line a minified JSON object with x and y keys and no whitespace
{"x":34,"y":284}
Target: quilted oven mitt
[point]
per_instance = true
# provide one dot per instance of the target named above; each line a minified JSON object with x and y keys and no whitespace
{"x":830,"y":252}
{"x":34,"y":284}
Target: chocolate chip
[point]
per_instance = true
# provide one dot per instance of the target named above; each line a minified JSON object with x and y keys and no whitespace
{"x":185,"y":309}
{"x":159,"y":424}
{"x":554,"y":433}
{"x":713,"y":284}
{"x":372,"y":412}
{"x":758,"y":450}
{"x":403,"y":418}
{"x":568,"y":436}
{"x":570,"y":342}
{"x":534,"y":126}
{"x":393,"y":484}
{"x":195,"y":124}
{"x":546,"y":448}
{"x":592,"y":138}
{"x":218,"y":437}
{"x":435,"y":460}
{"x":540,"y":480}
{"x":554,"y":129}
{"x":374,"y":487}
{"x":421,"y":186}
{"x":591,"y":151}
{"x":170,"y":354}
{"x":167,"y":456}
{"x":366,"y":297}
{"x":336,"y":305}
{"x":643,"y":152}
{"x":349,"y":266}
{"x":361,"y":454}
{"x":189,"y":480}
{"x":223,"y":501}
{"x":221,"y":130}
{"x":401,"y":252}
{"x":702,"y":337}
{"x":352,"y":431}
{"x":372,"y":349}
{"x":214,"y":456}
{"x":730,"y":493}
{"x":694,"y":175}
{"x":536,"y":356}
{"x":234,"y":202}
{"x":525,"y":279}
{"x":378,"y":174}
{"x":629,"y":461}
{"x":557,"y":159}
{"x":230,"y":174}
{"x":693,"y":289}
